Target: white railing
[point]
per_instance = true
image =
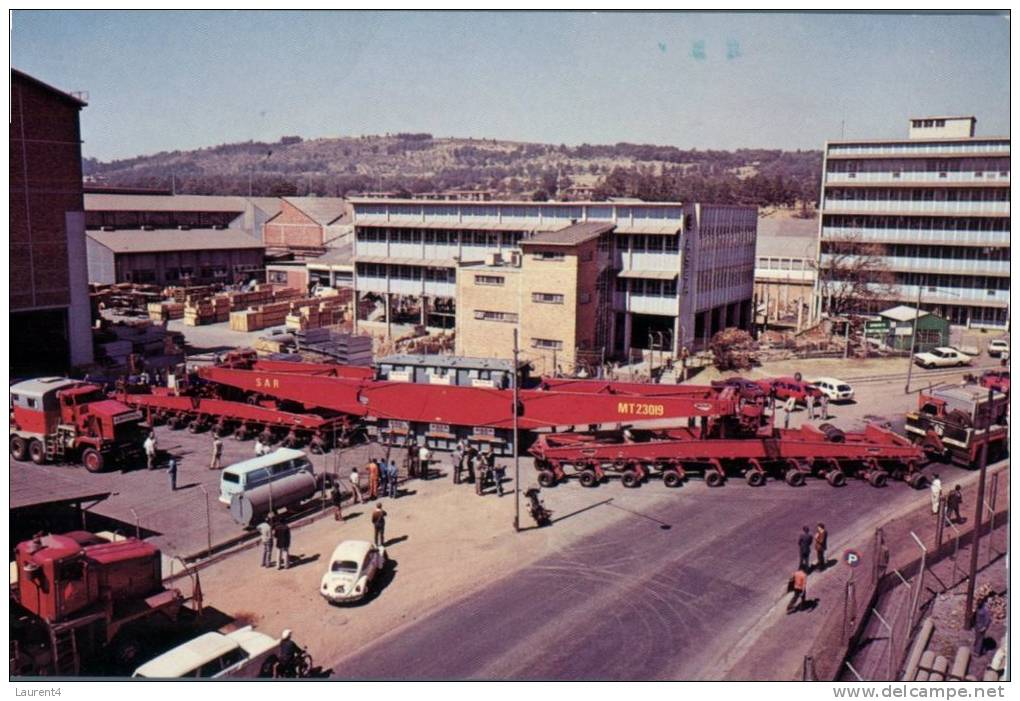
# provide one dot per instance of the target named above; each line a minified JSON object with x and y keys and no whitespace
{"x":920,"y":148}
{"x":914,"y":177}
{"x":915,"y":207}
{"x":932,"y":236}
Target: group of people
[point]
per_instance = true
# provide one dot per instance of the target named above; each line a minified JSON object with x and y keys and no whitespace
{"x":274,"y":531}
{"x":418,"y":461}
{"x":151,"y":449}
{"x":480,"y":467}
{"x":810,"y":402}
{"x":954,"y":500}
{"x":819,"y":541}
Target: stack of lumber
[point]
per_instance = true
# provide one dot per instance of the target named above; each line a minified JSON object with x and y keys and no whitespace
{"x":180,"y":294}
{"x":345,"y":348}
{"x":206,"y":310}
{"x":164,"y":311}
{"x":327,"y":311}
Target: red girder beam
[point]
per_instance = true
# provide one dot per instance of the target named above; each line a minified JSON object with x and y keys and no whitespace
{"x":234,"y":411}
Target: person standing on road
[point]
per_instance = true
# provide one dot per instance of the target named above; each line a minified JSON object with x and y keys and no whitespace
{"x":821,"y":543}
{"x":498,"y":475}
{"x":471,"y":459}
{"x":337,"y":497}
{"x":824,"y":401}
{"x":936,"y":494}
{"x":373,"y":479}
{"x":424,"y":460}
{"x":798,"y":582}
{"x":379,"y":525}
{"x":809,"y":401}
{"x":171,"y":470}
{"x":982,"y":621}
{"x":281,"y":533}
{"x":260,"y":449}
{"x":804,"y":545}
{"x":217,"y":453}
{"x":392,"y":475}
{"x":954,"y":501}
{"x":788,"y":408}
{"x":458,"y":461}
{"x":412,"y":457}
{"x":266,"y":539}
{"x":150,"y":450}
{"x":356,"y":485}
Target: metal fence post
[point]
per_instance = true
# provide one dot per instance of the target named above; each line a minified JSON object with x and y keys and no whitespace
{"x":208,"y":521}
{"x":892,"y":641}
{"x":138,"y":529}
{"x":920,"y":583}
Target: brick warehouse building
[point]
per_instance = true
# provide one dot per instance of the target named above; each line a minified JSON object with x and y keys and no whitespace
{"x":308,"y":226}
{"x":677,"y":272}
{"x":49,"y":304}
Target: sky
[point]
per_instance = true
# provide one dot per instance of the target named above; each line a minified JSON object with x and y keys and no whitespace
{"x":161,"y":81}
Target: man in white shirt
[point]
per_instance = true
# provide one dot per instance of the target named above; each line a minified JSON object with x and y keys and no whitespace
{"x":424,"y":458}
{"x":150,"y":450}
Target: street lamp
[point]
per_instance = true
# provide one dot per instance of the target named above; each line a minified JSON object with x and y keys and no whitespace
{"x":979,"y":505}
{"x":517,"y":457}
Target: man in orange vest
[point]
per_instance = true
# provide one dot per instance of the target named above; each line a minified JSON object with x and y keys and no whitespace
{"x":798,"y":582}
{"x":373,"y":479}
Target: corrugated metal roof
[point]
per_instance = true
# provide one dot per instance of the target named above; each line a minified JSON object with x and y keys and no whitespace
{"x":460,"y":226}
{"x":572,"y":235}
{"x":323,"y":210}
{"x":102,"y":202}
{"x":666,"y":230}
{"x":141,"y":241}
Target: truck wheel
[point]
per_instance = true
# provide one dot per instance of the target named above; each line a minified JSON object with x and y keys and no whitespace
{"x":878,"y":478}
{"x":92,"y":459}
{"x":713,"y":478}
{"x":671,"y":478}
{"x":36,"y":451}
{"x":836,"y":478}
{"x":794,"y":478}
{"x":588,"y":478}
{"x":19,"y":448}
{"x":917,"y":480}
{"x":125,"y":651}
{"x":755,"y":478}
{"x":630,"y":479}
{"x":547,"y":479}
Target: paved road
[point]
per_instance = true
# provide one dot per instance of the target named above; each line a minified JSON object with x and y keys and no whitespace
{"x":636,"y":601}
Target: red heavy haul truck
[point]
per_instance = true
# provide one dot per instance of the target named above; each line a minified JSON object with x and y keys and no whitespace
{"x":55,"y":419}
{"x":81,"y":601}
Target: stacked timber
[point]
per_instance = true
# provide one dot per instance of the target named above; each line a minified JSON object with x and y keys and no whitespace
{"x":164,"y":311}
{"x":315,"y":314}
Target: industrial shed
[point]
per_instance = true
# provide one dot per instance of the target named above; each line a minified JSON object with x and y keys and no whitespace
{"x":173,"y":256}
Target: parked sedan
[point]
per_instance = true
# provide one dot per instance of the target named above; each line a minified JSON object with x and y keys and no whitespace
{"x":747,"y":389}
{"x":786,"y":387}
{"x":353,"y":567}
{"x":835,"y":390}
{"x":998,"y":347}
{"x":941,"y":358}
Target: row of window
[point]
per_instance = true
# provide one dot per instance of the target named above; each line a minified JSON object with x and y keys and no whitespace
{"x":724,"y":277}
{"x":650,"y":243}
{"x":547,"y":298}
{"x":971,"y":282}
{"x":963,"y":194}
{"x":507,"y":317}
{"x":183,"y":274}
{"x":647,"y":288}
{"x":920,"y":165}
{"x":546,"y":344}
{"x":571,"y":212}
{"x":406,"y":272}
{"x":778,"y":263}
{"x":507,"y":239}
{"x":919,"y":223}
{"x":904,"y":250}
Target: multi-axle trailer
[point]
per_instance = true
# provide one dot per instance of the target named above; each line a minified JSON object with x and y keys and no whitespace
{"x":874,"y":455}
{"x":726,"y":433}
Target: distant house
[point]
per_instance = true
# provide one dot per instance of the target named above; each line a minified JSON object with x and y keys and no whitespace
{"x":307,"y":226}
{"x":895,"y":326}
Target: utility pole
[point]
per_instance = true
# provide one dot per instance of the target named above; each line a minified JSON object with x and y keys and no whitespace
{"x":979,"y":506}
{"x":517,"y":457}
{"x":913,"y":338}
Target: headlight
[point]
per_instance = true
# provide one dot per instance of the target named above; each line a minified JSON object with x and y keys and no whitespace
{"x":357,"y":589}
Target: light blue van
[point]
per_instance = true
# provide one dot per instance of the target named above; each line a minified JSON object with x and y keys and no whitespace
{"x":248,"y":474}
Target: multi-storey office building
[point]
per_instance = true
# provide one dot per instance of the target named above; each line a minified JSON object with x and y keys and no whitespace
{"x":937,"y":206}
{"x":677,"y":274}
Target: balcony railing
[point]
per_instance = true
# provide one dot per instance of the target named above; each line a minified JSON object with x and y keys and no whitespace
{"x":916,"y":207}
{"x":919,"y":148}
{"x":892,"y":177}
{"x":921,"y":236}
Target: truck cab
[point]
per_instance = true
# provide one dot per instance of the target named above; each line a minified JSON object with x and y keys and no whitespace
{"x":56,"y":418}
{"x":955,"y":421}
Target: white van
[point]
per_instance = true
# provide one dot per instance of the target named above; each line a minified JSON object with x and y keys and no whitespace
{"x":242,"y":476}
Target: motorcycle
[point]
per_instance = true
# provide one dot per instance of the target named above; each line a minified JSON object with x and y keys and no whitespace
{"x":537,"y":510}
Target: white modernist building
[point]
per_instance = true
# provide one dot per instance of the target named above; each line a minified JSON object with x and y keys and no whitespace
{"x":680,"y":272}
{"x":937,"y":203}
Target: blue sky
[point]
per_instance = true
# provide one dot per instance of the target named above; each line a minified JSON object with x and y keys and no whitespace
{"x":179,"y":80}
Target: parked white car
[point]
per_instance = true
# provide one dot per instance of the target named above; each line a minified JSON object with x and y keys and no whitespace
{"x":242,"y":653}
{"x":998,"y":347}
{"x":941,"y":358}
{"x":353,"y":567}
{"x":835,"y":390}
